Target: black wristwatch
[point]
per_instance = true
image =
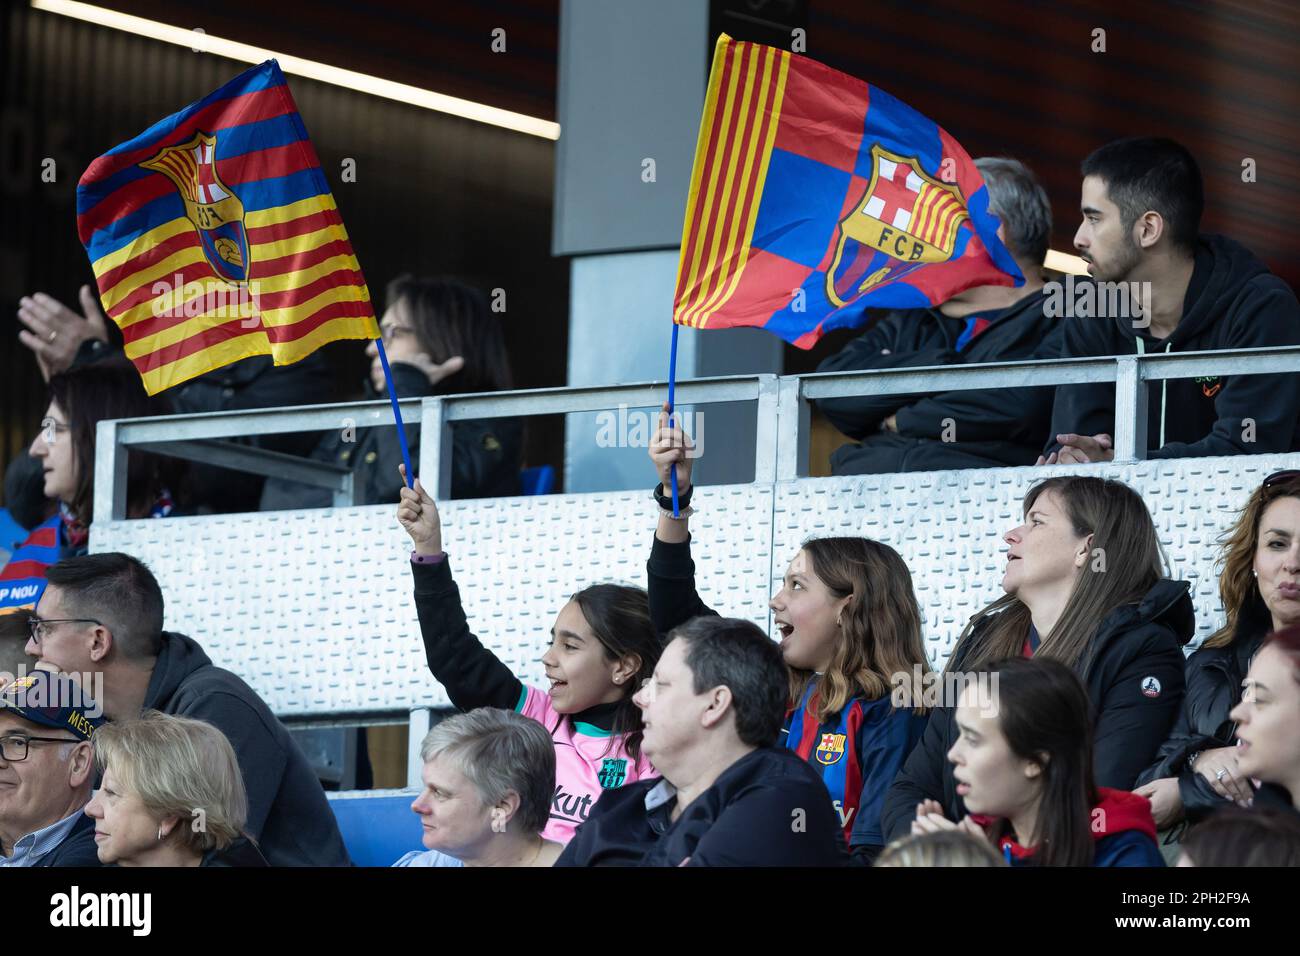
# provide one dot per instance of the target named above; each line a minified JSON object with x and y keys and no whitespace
{"x":665,"y":501}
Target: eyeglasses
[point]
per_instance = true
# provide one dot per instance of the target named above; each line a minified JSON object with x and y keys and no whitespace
{"x":36,"y":625}
{"x":50,"y":429}
{"x":14,"y":748}
{"x":391,"y":332}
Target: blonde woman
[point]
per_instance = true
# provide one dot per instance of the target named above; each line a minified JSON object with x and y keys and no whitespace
{"x":940,"y":848}
{"x":172,"y":795}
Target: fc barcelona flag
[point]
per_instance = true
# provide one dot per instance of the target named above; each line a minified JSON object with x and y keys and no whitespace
{"x":22,"y":580}
{"x":213,"y":236}
{"x":815,"y":196}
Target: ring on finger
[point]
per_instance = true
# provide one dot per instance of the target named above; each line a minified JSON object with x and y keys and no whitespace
{"x":1220,"y":773}
{"x":54,"y":334}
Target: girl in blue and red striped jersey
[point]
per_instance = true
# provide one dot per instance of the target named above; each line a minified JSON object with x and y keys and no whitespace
{"x":850,"y":630}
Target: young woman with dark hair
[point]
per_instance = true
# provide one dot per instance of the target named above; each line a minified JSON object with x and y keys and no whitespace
{"x":850,"y":631}
{"x":602,"y":647}
{"x":441,"y":338}
{"x":1197,"y":770}
{"x":1084,"y":587}
{"x":1023,"y":765}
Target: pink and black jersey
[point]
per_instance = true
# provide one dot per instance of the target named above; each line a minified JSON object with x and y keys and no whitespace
{"x":589,"y":757}
{"x":588,"y":761}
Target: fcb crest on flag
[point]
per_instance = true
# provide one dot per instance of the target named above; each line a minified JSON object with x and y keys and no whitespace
{"x":903,"y":221}
{"x":214,"y":237}
{"x":210,"y":204}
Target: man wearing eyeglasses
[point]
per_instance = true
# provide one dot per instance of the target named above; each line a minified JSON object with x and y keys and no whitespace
{"x":47,"y":772}
{"x":102,"y":616}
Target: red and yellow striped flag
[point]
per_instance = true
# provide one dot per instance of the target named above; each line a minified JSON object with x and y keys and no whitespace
{"x":815,"y":196}
{"x":214,"y":236}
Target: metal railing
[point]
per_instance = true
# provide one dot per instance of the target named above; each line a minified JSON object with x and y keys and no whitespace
{"x":200,"y":437}
{"x":1129,"y":373}
{"x":783,"y":412}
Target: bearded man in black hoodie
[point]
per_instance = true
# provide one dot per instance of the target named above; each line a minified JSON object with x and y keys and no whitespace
{"x":961,"y":429}
{"x":1141,"y":206}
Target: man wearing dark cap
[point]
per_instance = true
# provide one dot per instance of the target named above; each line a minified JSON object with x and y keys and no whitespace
{"x":47,"y":772}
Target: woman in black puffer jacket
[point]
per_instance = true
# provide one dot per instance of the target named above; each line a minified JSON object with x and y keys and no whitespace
{"x":1196,"y":769}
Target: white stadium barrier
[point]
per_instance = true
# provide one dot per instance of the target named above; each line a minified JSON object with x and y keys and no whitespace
{"x":313,"y":608}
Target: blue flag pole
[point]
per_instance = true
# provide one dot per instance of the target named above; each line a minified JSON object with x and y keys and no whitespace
{"x":397,"y":414}
{"x":672,"y":382}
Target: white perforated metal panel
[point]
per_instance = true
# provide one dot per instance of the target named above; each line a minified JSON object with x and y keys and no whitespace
{"x":314,"y":610}
{"x":948,"y":526}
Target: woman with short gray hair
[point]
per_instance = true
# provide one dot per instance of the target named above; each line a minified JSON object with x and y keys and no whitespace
{"x":488,"y":777}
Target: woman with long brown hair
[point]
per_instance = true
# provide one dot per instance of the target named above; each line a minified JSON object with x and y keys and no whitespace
{"x":1196,"y":770}
{"x":1084,"y":587}
{"x":850,"y":630}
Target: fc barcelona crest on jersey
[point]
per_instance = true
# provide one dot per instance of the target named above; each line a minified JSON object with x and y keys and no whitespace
{"x":831,"y":748}
{"x":211,"y":205}
{"x":613,"y":771}
{"x":904,"y":219}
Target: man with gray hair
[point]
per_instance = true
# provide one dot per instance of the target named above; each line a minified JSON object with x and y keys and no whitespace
{"x":959,"y":429}
{"x":47,"y":771}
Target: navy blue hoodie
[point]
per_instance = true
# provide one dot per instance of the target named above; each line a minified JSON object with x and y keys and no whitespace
{"x":1123,"y":831}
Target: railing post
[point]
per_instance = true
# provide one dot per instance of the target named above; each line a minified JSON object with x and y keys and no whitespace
{"x":766,"y":437}
{"x":417,"y":728}
{"x":110,"y":474}
{"x":1130,"y":409}
{"x":435,"y":449}
{"x":793,"y":418}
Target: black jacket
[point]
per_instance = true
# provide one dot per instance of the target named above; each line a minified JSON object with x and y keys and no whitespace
{"x":1214,"y":676}
{"x":1232,"y":302}
{"x":485,"y":460}
{"x":1133,"y":643}
{"x":991,"y":427}
{"x":1274,"y":796}
{"x":242,"y":852}
{"x":769,"y":808}
{"x":77,"y":849}
{"x":251,"y":383}
{"x":288,"y":814}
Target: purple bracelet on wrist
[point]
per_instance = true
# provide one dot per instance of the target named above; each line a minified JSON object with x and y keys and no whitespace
{"x":417,"y":558}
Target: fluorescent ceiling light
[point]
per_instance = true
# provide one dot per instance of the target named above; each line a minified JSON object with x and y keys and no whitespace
{"x":322,"y":72}
{"x":1063,"y":262}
